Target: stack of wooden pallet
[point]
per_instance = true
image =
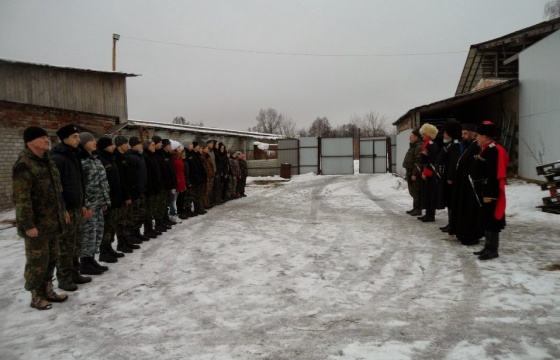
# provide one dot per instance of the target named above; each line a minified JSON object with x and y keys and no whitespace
{"x":552,"y":174}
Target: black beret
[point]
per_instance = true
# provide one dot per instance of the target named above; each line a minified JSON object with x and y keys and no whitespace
{"x":66,"y":131}
{"x":32,"y":133}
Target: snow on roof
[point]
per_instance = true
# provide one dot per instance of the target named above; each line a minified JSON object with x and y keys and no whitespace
{"x":262,"y":146}
{"x":24,"y":63}
{"x":202,"y":129}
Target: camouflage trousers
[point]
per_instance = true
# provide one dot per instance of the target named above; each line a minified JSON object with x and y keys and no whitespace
{"x":41,"y":255}
{"x":189,"y":198}
{"x":162,"y":204}
{"x":232,"y":187}
{"x":241,"y":183}
{"x":207,"y":192}
{"x":149,"y":210}
{"x":138,"y":212}
{"x":110,"y":226}
{"x":70,"y":246}
{"x":125,"y":221}
{"x":414,"y":191}
{"x":93,"y":232}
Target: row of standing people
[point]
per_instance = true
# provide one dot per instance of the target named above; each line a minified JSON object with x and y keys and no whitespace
{"x":465,"y":173}
{"x":71,"y":202}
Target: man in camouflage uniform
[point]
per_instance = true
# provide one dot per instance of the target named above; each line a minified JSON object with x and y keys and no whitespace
{"x":235,"y":172}
{"x":411,"y":164}
{"x":140,"y":179}
{"x":40,"y":215}
{"x":209,"y":165}
{"x":97,"y":201}
{"x":66,"y":157}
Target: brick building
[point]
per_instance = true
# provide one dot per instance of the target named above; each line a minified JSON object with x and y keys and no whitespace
{"x":51,"y":97}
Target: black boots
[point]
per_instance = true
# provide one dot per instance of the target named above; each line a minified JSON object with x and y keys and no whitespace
{"x":445,"y":228}
{"x":490,"y":250}
{"x":87,"y":267}
{"x":138,"y":235}
{"x":415,"y":212}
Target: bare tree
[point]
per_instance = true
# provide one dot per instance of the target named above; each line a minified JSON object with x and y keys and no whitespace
{"x":552,"y":10}
{"x":288,"y":127}
{"x":371,"y":124}
{"x":320,"y":127}
{"x":269,"y":121}
{"x":538,"y":152}
{"x":302,"y":132}
{"x":179,"y":120}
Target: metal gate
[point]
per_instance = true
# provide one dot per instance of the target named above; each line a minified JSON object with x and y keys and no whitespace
{"x":373,"y":155}
{"x":337,"y":156}
{"x":308,"y":155}
{"x":288,"y":153}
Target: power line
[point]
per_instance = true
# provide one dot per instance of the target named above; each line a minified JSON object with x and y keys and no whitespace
{"x":291,"y":53}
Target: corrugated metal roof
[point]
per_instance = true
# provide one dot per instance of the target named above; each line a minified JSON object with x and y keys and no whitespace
{"x":202,"y":130}
{"x":22,"y":63}
{"x":462,"y":98}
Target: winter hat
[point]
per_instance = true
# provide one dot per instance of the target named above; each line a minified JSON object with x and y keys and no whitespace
{"x":469,"y":127}
{"x":66,"y":131}
{"x":416,"y":132}
{"x":487,"y":128}
{"x":453,"y":129}
{"x":156,"y":139}
{"x":104,"y":142}
{"x":429,"y":130}
{"x":165,"y":142}
{"x":175,"y":144}
{"x":86,"y":137}
{"x":120,"y":140}
{"x":32,"y":133}
{"x":147,"y":143}
{"x":133,"y":141}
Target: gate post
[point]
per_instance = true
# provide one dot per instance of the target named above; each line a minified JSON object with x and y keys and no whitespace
{"x":319,"y":155}
{"x":389,"y":155}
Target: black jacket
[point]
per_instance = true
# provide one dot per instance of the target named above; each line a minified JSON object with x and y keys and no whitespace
{"x":153,"y":173}
{"x":139,"y":175}
{"x":197,"y":172}
{"x":125,"y":172}
{"x":113,"y":177}
{"x":167,"y":169}
{"x":69,"y":166}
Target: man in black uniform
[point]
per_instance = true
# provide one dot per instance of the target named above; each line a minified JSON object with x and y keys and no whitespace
{"x":489,"y":176}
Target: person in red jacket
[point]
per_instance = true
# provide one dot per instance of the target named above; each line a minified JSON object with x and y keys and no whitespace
{"x":488,"y":176}
{"x":181,"y":187}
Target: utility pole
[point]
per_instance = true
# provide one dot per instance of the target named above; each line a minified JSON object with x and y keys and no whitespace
{"x":116,"y":38}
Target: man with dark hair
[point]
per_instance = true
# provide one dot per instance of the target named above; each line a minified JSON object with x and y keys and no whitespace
{"x":66,"y":157}
{"x":40,"y":215}
{"x":489,"y":176}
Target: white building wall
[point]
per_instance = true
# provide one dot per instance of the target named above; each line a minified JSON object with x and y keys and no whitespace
{"x":403,"y":143}
{"x":539,"y":105}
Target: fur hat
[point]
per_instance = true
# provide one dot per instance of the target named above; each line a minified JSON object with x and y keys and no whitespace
{"x":469,"y":127}
{"x":487,"y":128}
{"x":86,"y":137}
{"x":453,"y":129}
{"x":66,"y":131}
{"x":120,"y":140}
{"x":104,"y":142}
{"x":429,"y":130}
{"x":32,"y":133}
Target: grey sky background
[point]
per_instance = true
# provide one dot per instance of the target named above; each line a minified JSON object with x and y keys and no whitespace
{"x":226,"y":89}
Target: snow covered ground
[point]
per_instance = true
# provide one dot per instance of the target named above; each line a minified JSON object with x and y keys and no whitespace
{"x":318,"y":267}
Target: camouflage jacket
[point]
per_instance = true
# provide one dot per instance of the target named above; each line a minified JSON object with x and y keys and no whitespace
{"x":208,"y":165}
{"x":98,"y":192}
{"x":412,"y":158}
{"x":234,"y":164}
{"x":37,"y":193}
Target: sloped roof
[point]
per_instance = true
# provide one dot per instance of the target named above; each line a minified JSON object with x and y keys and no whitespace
{"x":22,"y":63}
{"x":461,"y":98}
{"x":497,"y":58}
{"x":201,"y":130}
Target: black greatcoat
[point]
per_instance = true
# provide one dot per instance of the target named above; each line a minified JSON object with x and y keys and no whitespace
{"x":446,"y":164}
{"x":465,"y":207}
{"x":113,"y":177}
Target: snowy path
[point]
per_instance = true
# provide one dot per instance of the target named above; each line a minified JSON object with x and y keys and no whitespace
{"x":315,"y":268}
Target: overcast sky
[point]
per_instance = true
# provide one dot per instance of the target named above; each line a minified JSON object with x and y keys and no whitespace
{"x":227,"y":88}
